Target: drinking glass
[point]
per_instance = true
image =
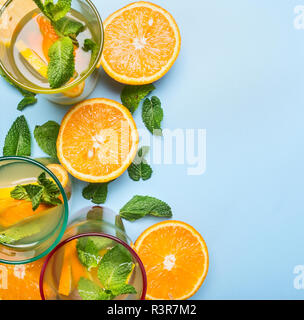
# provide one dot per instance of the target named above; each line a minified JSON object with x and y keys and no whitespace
{"x":48,"y":225}
{"x":12,"y":14}
{"x":98,"y":222}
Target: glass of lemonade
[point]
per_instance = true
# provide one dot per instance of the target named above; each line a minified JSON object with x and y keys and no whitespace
{"x":25,"y":41}
{"x":95,"y":261}
{"x":33,"y":210}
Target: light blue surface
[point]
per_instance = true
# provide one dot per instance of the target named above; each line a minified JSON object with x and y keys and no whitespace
{"x":240,"y":77}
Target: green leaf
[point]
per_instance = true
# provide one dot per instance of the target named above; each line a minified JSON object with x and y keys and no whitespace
{"x":132,"y":95}
{"x":88,"y":290}
{"x":68,"y":27}
{"x":88,"y":252}
{"x":61,"y":66}
{"x":114,"y":268}
{"x":139,"y":169}
{"x":152,"y":115}
{"x":46,"y":137}
{"x":90,"y":45}
{"x":34,"y":193}
{"x":58,"y":10}
{"x":18,"y":139}
{"x":25,"y":102}
{"x":140,"y":206}
{"x":123,"y":289}
{"x":97,"y":192}
{"x":19,"y":193}
{"x":51,"y":191}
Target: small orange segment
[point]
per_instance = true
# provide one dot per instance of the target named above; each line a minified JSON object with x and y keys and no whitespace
{"x":72,"y":270}
{"x":142,"y":42}
{"x":97,"y":140}
{"x":176,"y":260}
{"x":61,"y":174}
{"x":14,"y":211}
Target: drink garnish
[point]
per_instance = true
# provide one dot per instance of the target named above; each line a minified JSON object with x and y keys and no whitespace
{"x":132,"y":95}
{"x":18,"y":139}
{"x":140,"y":206}
{"x":90,"y":45}
{"x":114,"y":270}
{"x":46,"y":192}
{"x":139,"y":168}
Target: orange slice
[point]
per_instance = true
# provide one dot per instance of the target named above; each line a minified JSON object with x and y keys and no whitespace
{"x":72,"y":270}
{"x":142,"y":42}
{"x":61,"y":174}
{"x":21,"y":282}
{"x":176,"y":260}
{"x":97,"y":140}
{"x":75,"y":91}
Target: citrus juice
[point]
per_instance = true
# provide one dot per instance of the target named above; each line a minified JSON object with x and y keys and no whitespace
{"x":28,"y":50}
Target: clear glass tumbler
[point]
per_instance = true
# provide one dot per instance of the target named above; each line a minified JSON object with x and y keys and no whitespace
{"x":27,"y":235}
{"x":62,"y":269}
{"x":13,"y":17}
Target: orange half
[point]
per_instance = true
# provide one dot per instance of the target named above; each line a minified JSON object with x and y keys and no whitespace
{"x":176,"y":260}
{"x":97,"y":140}
{"x":142,"y":42}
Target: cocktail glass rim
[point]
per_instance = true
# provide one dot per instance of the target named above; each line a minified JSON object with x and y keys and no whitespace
{"x":93,"y":234}
{"x":74,"y":83}
{"x":65,"y":204}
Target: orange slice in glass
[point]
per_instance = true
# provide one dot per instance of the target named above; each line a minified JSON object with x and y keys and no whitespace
{"x":97,"y":140}
{"x":142,"y":42}
{"x":176,"y":260}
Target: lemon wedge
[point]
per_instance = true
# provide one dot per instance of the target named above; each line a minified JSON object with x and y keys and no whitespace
{"x":32,"y":58}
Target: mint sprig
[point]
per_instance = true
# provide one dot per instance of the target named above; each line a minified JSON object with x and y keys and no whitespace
{"x":132,"y":95}
{"x":139,"y":168}
{"x":88,"y":290}
{"x":46,"y":137}
{"x":141,"y":206}
{"x":18,"y":139}
{"x":46,"y":191}
{"x":54,"y":11}
{"x":152,"y":115}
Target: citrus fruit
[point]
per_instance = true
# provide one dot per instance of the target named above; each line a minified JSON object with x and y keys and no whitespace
{"x":20,"y":282}
{"x":142,"y":42}
{"x":75,"y":91}
{"x":97,"y":140}
{"x":61,"y":174}
{"x":32,"y":58}
{"x":176,"y":260}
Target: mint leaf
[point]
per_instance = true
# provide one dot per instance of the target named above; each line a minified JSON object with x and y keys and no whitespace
{"x":97,"y":192}
{"x":152,"y":115}
{"x":88,"y":252}
{"x":42,"y":8}
{"x":140,"y":206}
{"x":123,"y":289}
{"x":114,"y":268}
{"x":58,"y":10}
{"x":139,"y":169}
{"x":88,"y":290}
{"x":68,"y":27}
{"x":45,"y":192}
{"x":90,"y":45}
{"x":18,"y":139}
{"x":132,"y":95}
{"x":61,"y":66}
{"x":25,"y":102}
{"x":46,"y":137}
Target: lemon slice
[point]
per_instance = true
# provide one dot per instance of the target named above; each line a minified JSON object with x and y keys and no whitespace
{"x":32,"y":58}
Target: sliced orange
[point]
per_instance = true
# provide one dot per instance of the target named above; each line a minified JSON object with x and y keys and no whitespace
{"x":176,"y":260}
{"x":61,"y":174}
{"x":14,"y":211}
{"x":20,"y":282}
{"x":142,"y":42}
{"x":97,"y":140}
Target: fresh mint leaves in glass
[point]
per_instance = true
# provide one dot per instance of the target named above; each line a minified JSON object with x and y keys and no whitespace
{"x":51,"y":51}
{"x":95,"y":261}
{"x":33,"y":210}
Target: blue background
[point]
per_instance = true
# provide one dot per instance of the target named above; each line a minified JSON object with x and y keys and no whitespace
{"x":240,"y":77}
